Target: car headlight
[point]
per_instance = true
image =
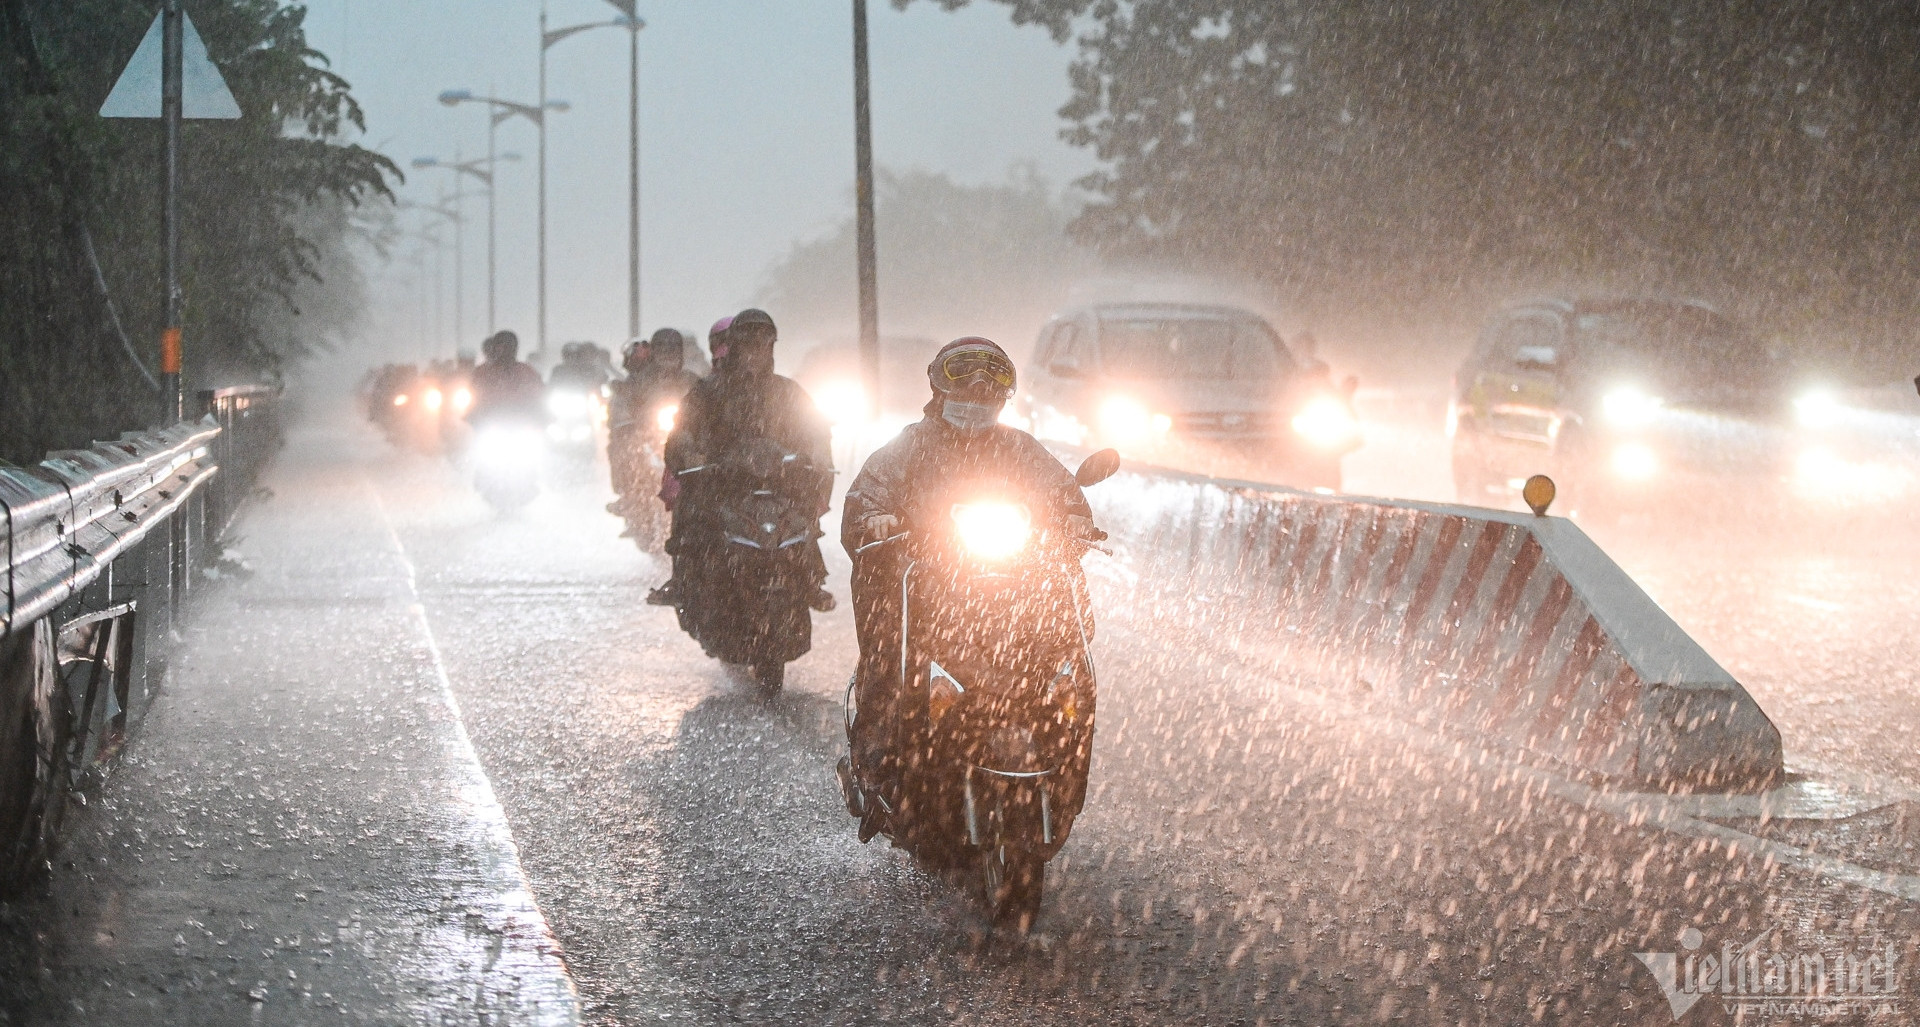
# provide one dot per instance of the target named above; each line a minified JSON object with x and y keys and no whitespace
{"x":432,"y":399}
{"x":462,"y":398}
{"x":992,"y":531}
{"x":664,"y":417}
{"x":1629,"y":407}
{"x":567,"y":405}
{"x":1326,"y":422}
{"x":1817,"y":408}
{"x":1127,"y":421}
{"x":1635,"y":461}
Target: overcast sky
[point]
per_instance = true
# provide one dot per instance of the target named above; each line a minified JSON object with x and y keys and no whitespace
{"x":746,"y":136}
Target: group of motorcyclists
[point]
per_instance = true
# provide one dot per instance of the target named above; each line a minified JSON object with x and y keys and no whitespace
{"x":740,"y":463}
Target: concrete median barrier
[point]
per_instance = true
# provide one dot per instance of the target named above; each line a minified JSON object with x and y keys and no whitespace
{"x":1517,"y":630}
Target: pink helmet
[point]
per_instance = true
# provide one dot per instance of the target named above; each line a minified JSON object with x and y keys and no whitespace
{"x":717,"y":337}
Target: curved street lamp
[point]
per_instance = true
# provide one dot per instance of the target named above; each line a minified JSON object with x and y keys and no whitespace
{"x":480,"y":169}
{"x":630,"y":20}
{"x":506,"y":110}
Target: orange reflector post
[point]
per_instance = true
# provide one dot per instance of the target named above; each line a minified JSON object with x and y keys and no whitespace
{"x":1538,"y":492}
{"x":170,"y":351}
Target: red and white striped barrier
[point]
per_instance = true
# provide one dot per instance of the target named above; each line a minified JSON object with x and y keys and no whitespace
{"x":1514,"y":628}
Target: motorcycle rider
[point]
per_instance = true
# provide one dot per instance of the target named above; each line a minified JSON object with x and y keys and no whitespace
{"x":580,"y":368}
{"x":505,"y":388}
{"x":741,"y":401}
{"x":656,"y":377}
{"x":959,"y":438}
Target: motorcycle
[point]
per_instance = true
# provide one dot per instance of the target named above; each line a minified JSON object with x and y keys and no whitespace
{"x":640,"y":458}
{"x":575,"y":413}
{"x":506,"y":463}
{"x":752,"y":574}
{"x":997,"y":709}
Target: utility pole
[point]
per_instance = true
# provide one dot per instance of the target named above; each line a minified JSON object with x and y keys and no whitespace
{"x":171,"y":42}
{"x":633,"y":173}
{"x":863,"y":232}
{"x":540,"y":333}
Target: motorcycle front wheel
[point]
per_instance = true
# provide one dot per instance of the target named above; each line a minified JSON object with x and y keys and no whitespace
{"x":1012,"y":880}
{"x":770,"y":676}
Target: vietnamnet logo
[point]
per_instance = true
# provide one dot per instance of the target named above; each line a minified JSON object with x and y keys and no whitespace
{"x":1755,"y":980}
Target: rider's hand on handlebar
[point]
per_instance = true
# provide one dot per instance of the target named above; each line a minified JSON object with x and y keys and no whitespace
{"x":1082,"y":527}
{"x":880,"y":526}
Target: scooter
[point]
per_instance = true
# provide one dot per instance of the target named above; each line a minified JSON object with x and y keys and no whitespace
{"x":997,"y":708}
{"x":754,"y":570}
{"x":641,"y":461}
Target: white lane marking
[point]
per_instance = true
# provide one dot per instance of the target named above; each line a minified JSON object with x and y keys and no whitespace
{"x":540,"y":974}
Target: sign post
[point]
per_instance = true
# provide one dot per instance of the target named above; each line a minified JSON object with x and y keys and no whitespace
{"x":171,"y":78}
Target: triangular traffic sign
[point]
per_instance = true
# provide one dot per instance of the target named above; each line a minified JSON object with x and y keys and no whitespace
{"x":203,"y":92}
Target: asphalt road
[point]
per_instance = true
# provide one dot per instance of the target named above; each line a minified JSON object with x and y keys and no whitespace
{"x":1256,"y":849}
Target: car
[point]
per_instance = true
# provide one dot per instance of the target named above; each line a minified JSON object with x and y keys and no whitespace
{"x":1624,"y":402}
{"x":1177,"y":383}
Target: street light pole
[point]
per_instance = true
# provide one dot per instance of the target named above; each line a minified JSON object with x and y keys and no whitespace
{"x":540,"y":334}
{"x":171,"y":93}
{"x":863,"y":229}
{"x":633,"y":171}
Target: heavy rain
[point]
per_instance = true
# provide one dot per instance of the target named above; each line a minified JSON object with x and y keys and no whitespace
{"x":1229,"y":512}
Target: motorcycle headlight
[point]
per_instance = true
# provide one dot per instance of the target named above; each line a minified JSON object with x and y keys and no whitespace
{"x":665,"y":416}
{"x":567,"y":406}
{"x":1817,"y":408}
{"x":432,"y":399}
{"x":462,"y":398}
{"x":503,"y":450}
{"x":1325,"y":422}
{"x":842,"y":403}
{"x":400,"y":400}
{"x":1629,"y":407}
{"x":993,"y":531}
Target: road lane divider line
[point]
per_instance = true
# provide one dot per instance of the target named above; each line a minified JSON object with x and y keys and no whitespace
{"x":531,"y":964}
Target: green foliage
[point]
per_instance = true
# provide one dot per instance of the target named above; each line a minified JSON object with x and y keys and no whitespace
{"x":267,"y":206}
{"x":1377,"y":153}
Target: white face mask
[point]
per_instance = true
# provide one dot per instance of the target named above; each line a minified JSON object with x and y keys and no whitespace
{"x":970,"y":416}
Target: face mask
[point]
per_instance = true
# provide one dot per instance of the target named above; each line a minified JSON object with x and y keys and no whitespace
{"x":970,"y":416}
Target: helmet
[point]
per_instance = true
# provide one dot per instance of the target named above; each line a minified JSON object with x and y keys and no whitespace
{"x":667,"y":341}
{"x":570,"y":352}
{"x":502,"y":345}
{"x":752,"y":317}
{"x":970,"y":360}
{"x":717,"y":337}
{"x":633,"y":354}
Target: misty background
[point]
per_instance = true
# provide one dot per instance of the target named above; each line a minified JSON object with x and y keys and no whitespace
{"x":1379,"y":174}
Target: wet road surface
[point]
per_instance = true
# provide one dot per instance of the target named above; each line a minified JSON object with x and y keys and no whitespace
{"x":1258,"y":848}
{"x":1255,"y":850}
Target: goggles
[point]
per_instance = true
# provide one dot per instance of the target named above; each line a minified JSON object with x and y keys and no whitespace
{"x":971,"y":365}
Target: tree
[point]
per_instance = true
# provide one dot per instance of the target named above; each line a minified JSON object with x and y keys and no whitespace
{"x":266,"y":202}
{"x":1378,"y":154}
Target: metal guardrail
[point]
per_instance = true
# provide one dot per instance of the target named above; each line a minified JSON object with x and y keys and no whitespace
{"x":102,"y":546}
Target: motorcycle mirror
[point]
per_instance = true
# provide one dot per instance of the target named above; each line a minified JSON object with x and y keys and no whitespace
{"x":1098,"y":468}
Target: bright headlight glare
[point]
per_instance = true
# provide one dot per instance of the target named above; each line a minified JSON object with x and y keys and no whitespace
{"x":1817,"y":408}
{"x":1125,"y":420}
{"x":566,"y":405}
{"x":1635,"y":461}
{"x":508,"y":449}
{"x":664,"y":417}
{"x":462,"y":398}
{"x":842,"y":403}
{"x":1325,"y":422}
{"x":992,"y":531}
{"x":432,"y":399}
{"x":400,"y":400}
{"x":1628,"y":406}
